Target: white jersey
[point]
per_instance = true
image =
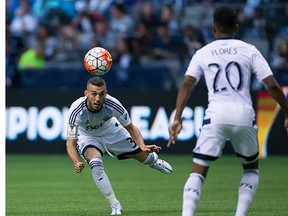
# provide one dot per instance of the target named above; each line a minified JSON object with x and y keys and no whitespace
{"x":227,"y":65}
{"x":82,"y":121}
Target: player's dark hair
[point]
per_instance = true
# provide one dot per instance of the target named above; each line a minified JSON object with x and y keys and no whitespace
{"x":225,"y":18}
{"x":96,"y":81}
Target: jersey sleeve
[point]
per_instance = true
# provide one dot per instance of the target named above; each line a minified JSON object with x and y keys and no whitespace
{"x":260,"y":66}
{"x":124,"y":118}
{"x":74,"y":120}
{"x":194,"y":69}
{"x":119,"y":111}
{"x":74,"y":113}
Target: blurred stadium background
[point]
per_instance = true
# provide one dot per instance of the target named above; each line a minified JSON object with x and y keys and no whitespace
{"x":151,"y":43}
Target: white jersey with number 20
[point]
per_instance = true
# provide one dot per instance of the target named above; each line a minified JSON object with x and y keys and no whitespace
{"x":227,"y":65}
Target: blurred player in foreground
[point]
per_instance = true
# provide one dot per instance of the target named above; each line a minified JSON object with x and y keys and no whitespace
{"x":227,"y":65}
{"x":93,"y":129}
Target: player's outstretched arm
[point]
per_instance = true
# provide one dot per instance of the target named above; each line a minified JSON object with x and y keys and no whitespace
{"x":182,"y":99}
{"x":278,"y":95}
{"x":73,"y":154}
{"x":138,"y":139}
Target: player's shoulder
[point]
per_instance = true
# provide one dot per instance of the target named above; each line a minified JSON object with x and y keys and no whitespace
{"x":203,"y":50}
{"x":246,"y":48}
{"x":242,"y":43}
{"x":80,"y":102}
{"x":114,"y":103}
{"x":110,"y":98}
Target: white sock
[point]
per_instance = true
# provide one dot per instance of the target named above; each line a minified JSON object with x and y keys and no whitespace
{"x":191,"y":193}
{"x":151,"y":159}
{"x":102,"y":181}
{"x":246,"y":191}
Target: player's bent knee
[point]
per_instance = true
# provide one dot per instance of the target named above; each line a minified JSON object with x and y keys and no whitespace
{"x":202,"y":162}
{"x":250,"y":165}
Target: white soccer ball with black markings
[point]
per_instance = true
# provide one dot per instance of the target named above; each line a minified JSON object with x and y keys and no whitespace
{"x":98,"y":61}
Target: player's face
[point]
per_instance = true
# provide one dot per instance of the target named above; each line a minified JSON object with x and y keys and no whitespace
{"x":96,"y":96}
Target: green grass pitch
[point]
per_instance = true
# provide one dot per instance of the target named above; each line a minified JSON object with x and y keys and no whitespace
{"x":38,"y":185}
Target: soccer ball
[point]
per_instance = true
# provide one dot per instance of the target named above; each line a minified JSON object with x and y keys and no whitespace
{"x":98,"y":61}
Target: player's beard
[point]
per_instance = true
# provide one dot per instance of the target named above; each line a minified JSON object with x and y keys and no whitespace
{"x":96,"y":106}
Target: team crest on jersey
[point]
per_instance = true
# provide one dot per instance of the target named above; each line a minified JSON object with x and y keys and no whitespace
{"x":106,"y":118}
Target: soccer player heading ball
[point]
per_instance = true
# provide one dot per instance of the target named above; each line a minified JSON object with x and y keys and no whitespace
{"x":98,"y":123}
{"x":227,"y":65}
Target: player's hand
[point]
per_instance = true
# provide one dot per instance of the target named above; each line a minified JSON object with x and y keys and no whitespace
{"x":78,"y":167}
{"x":174,"y":130}
{"x":151,"y":148}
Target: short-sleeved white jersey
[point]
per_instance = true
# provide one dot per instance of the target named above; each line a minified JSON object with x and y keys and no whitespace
{"x":227,"y":65}
{"x":99,"y":123}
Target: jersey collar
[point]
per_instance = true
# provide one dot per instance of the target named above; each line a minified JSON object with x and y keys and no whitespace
{"x":225,"y":38}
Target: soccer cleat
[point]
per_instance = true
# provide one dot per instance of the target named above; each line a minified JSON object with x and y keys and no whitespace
{"x":162,"y":166}
{"x":117,"y":209}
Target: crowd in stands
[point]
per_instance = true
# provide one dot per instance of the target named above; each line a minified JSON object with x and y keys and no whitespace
{"x":43,"y":34}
